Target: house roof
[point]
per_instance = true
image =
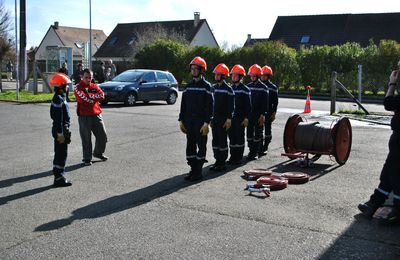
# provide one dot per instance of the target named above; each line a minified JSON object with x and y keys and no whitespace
{"x":336,"y":29}
{"x":71,"y":36}
{"x":119,"y":43}
{"x":252,"y":41}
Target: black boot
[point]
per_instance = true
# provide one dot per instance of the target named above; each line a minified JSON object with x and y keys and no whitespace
{"x":197,"y":173}
{"x":368,"y":209}
{"x":376,"y":200}
{"x":191,"y":172}
{"x":61,"y":181}
{"x":392,"y":218}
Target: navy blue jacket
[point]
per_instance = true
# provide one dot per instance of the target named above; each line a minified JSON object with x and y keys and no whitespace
{"x":273,"y":97}
{"x":259,"y":98}
{"x":197,"y":101}
{"x":59,"y":112}
{"x":224,"y":101}
{"x":242,"y":101}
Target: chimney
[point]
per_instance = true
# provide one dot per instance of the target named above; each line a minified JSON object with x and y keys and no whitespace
{"x":248,"y":37}
{"x":196,"y":18}
{"x":55,"y":26}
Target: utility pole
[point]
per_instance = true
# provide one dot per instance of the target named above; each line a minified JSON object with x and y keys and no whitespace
{"x":16,"y":52}
{"x":22,"y":43}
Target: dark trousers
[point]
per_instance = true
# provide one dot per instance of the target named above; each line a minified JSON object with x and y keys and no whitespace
{"x":236,"y":139}
{"x":196,"y":144}
{"x":87,"y":125}
{"x":268,"y":134}
{"x":219,"y":140}
{"x":254,"y":134}
{"x":60,"y":158}
{"x":390,"y":175}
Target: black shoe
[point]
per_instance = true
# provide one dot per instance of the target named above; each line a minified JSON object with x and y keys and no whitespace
{"x":251,"y":157}
{"x":392,"y":218}
{"x":368,"y":209}
{"x":221,"y":168}
{"x":193,"y":178}
{"x":261,"y":154}
{"x":87,"y":162}
{"x":214,"y":167}
{"x":101,"y":157}
{"x":61,"y":182}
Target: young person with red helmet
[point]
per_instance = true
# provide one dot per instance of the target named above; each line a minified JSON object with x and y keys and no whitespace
{"x":59,"y":113}
{"x":224,"y":103}
{"x":259,"y":103}
{"x":266,"y":76}
{"x":241,"y":115}
{"x":88,"y":95}
{"x":195,"y":116}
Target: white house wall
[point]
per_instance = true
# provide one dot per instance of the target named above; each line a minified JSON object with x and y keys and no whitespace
{"x":51,"y":39}
{"x":204,"y":37}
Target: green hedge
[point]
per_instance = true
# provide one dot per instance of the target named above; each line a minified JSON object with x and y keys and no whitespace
{"x":308,"y":66}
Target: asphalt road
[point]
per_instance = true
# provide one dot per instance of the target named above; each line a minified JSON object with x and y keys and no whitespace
{"x":137,"y":205}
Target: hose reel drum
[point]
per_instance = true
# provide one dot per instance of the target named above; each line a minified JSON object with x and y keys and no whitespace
{"x":301,"y":138}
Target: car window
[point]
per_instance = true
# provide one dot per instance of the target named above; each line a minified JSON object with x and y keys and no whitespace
{"x":171,"y":78}
{"x":161,"y":76}
{"x":149,"y":77}
{"x":128,"y":76}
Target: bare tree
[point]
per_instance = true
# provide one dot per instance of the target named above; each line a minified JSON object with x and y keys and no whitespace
{"x":5,"y":41}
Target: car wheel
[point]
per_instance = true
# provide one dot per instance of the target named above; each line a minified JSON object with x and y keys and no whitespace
{"x":171,"y":99}
{"x":130,"y":99}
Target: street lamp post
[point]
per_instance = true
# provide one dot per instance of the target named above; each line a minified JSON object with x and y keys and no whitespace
{"x":90,"y":34}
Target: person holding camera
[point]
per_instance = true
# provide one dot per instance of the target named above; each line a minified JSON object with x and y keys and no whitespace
{"x":390,"y":174}
{"x":88,"y":96}
{"x":59,"y":113}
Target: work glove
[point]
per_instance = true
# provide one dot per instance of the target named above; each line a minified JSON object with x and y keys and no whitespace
{"x":261,"y":120}
{"x":227,"y":124}
{"x":182,"y":127}
{"x":272,"y":118}
{"x":245,"y":122}
{"x":60,"y":138}
{"x":204,"y":129}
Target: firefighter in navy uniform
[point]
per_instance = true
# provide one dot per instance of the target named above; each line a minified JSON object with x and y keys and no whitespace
{"x":390,"y":174}
{"x":259,"y":103}
{"x":59,"y":113}
{"x":266,"y":76}
{"x":222,"y":120}
{"x":241,"y":115}
{"x":195,"y":116}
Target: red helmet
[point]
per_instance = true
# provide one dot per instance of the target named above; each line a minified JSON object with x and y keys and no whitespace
{"x":238,"y":69}
{"x":221,"y":69}
{"x":266,"y":70}
{"x":58,"y":79}
{"x":255,"y":70}
{"x":199,"y":61}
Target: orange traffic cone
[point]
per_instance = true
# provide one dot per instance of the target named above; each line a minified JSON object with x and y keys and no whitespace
{"x":307,"y":108}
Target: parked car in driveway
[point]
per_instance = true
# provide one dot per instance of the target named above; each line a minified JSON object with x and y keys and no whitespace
{"x":141,"y":85}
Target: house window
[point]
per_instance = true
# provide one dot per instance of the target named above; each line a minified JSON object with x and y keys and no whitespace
{"x":305,"y":39}
{"x":112,"y":41}
{"x":132,"y":40}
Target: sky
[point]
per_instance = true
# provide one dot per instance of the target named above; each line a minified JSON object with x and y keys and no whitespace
{"x":230,"y":21}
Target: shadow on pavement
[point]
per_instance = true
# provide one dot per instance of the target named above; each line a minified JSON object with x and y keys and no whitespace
{"x":130,"y":200}
{"x":365,"y":239}
{"x":12,"y":181}
{"x":316,"y":171}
